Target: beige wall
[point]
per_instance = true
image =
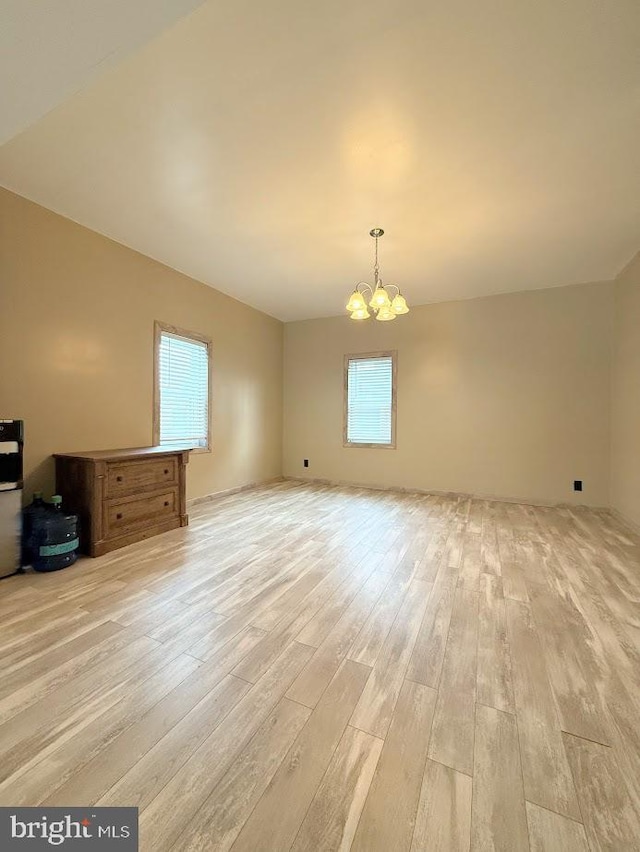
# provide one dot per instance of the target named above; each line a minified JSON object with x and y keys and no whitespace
{"x":505,"y":396}
{"x":625,"y":447}
{"x":76,"y":351}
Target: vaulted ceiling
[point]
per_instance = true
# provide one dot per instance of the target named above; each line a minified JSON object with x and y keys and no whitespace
{"x":253,"y":145}
{"x":49,"y":51}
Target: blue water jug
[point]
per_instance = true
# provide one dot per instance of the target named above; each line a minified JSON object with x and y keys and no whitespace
{"x":54,"y":538}
{"x":37,"y":508}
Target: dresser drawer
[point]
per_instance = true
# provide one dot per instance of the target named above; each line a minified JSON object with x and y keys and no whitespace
{"x":131,"y":513}
{"x":131,"y":477}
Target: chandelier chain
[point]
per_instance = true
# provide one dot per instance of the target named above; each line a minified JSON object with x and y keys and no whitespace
{"x":376,"y":268}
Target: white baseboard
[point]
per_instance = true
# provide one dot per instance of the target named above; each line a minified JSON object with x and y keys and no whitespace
{"x":525,"y":501}
{"x":207,"y":498}
{"x":398,"y":489}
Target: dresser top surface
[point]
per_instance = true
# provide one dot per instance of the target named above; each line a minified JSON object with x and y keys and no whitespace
{"x":132,"y":453}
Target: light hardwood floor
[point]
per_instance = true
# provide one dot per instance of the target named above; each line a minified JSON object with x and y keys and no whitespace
{"x":317,"y":668}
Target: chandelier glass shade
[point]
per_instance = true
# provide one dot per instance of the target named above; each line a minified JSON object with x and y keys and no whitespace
{"x":385,"y":300}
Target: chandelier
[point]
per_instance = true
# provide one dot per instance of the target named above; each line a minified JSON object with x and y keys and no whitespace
{"x":383,"y":307}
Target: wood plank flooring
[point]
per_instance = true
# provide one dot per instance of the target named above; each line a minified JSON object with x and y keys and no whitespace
{"x":308,"y":667}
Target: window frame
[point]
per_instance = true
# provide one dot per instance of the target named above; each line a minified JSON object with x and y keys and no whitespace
{"x":363,"y":356}
{"x":158,"y":329}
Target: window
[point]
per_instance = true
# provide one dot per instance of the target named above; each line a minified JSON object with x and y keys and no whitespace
{"x":182,"y":388}
{"x":370,"y":400}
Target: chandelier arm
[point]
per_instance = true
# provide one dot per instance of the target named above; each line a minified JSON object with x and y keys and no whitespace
{"x":395,"y":287}
{"x":364,"y":285}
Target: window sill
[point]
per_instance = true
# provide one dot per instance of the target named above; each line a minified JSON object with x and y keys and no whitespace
{"x":185,"y":448}
{"x":369,"y":446}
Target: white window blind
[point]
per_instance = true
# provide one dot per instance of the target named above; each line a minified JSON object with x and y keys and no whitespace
{"x":369,"y":400}
{"x":183,"y":385}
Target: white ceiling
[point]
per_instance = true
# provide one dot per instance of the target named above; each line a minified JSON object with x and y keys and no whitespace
{"x":253,"y":145}
{"x":49,"y":50}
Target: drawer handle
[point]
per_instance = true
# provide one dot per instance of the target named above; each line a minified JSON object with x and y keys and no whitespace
{"x":118,"y":479}
{"x":166,"y":472}
{"x":166,"y":502}
{"x":119,"y":516}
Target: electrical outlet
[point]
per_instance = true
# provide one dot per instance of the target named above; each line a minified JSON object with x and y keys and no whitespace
{"x":577,"y":485}
{"x":305,"y":462}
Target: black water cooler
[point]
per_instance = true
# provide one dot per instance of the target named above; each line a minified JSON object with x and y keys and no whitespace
{"x":11,"y":444}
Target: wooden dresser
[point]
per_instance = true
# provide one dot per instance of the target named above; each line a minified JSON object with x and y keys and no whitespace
{"x":123,"y":496}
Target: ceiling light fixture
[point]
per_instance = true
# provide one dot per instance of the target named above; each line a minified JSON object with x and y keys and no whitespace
{"x":383,"y":306}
